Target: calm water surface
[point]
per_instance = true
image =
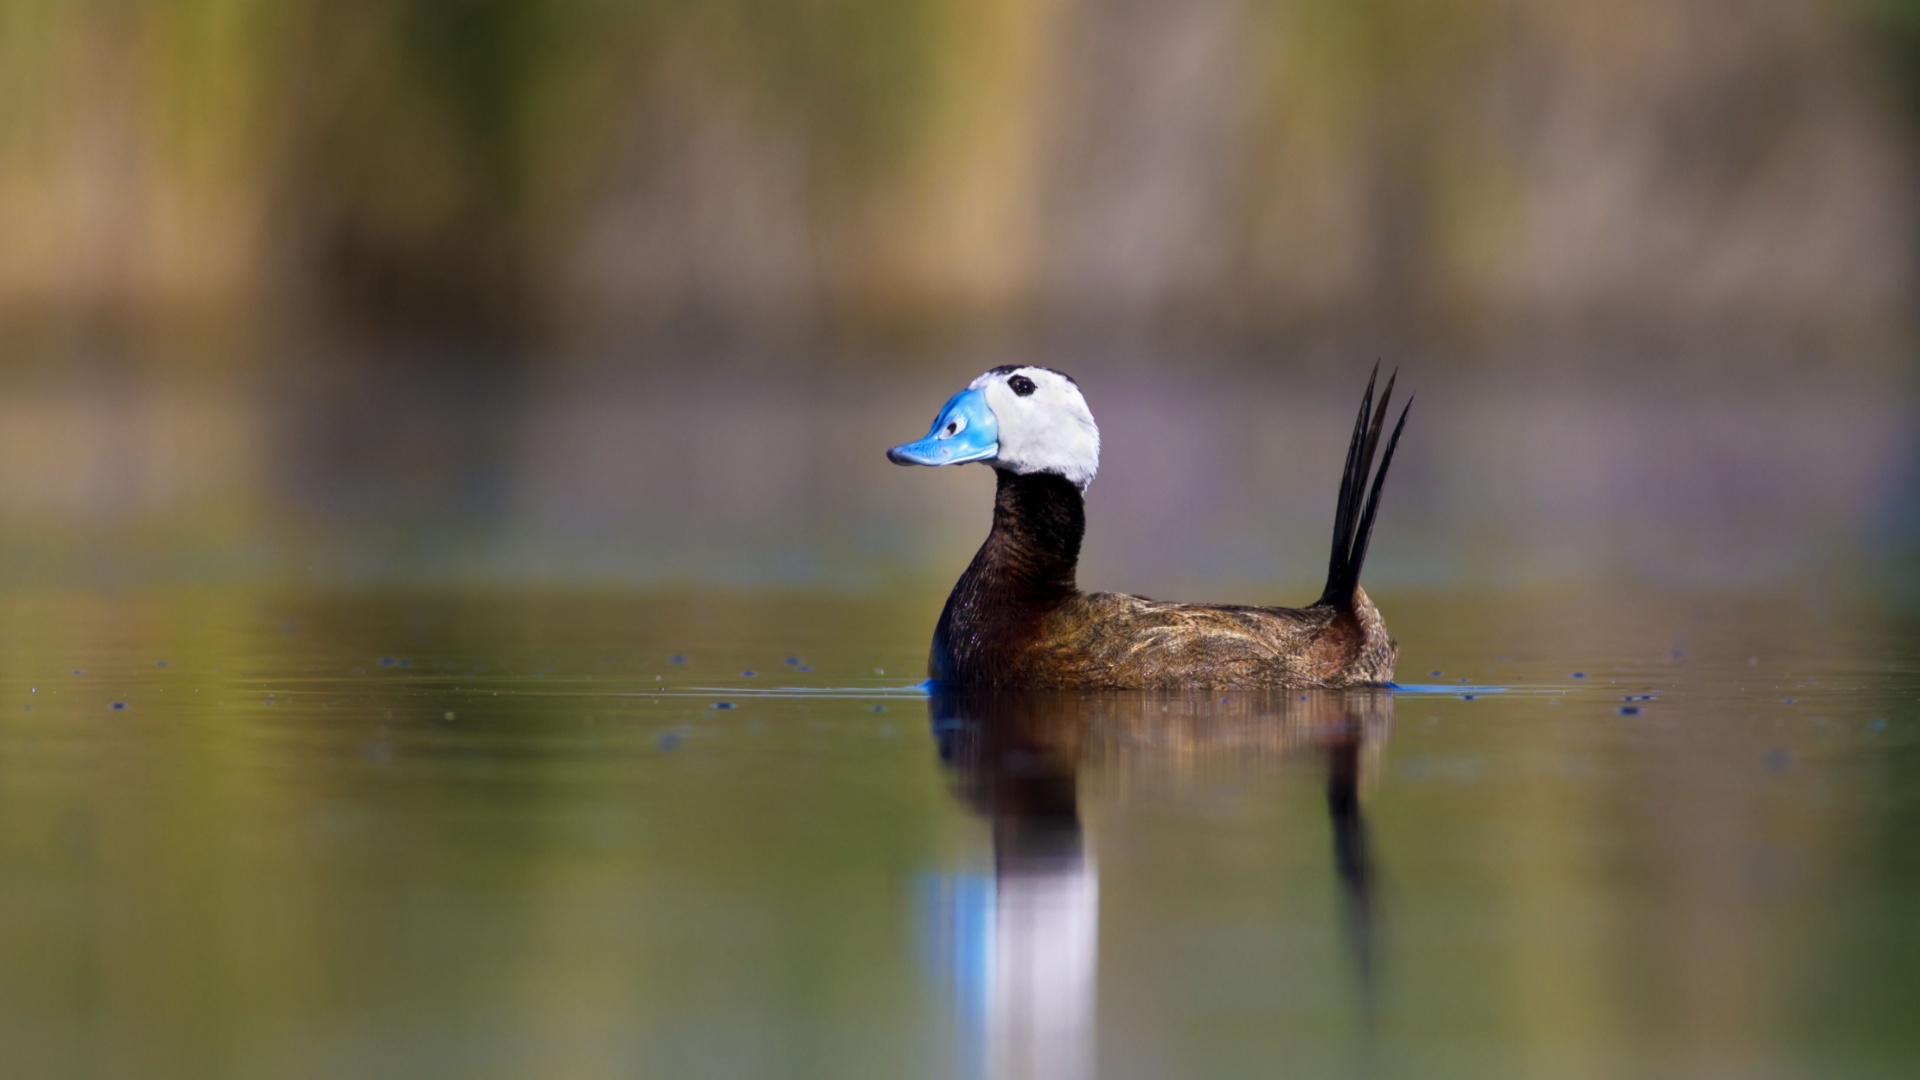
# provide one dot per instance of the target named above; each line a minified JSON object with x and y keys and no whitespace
{"x":273,"y":834}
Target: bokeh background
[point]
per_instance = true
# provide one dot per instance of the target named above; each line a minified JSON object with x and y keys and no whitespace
{"x":584,"y":291}
{"x":392,"y":392}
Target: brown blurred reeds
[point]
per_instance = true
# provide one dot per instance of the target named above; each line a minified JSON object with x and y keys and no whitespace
{"x":535,"y":177}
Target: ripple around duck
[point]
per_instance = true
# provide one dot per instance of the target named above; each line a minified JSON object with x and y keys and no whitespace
{"x":851,"y":693}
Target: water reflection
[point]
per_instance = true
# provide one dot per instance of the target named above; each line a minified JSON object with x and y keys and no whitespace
{"x":1021,"y":945}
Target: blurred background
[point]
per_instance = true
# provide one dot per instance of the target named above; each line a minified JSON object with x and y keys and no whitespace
{"x":583,"y":291}
{"x":420,"y":420}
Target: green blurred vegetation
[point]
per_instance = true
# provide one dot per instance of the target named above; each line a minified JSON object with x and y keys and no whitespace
{"x":542,"y":175}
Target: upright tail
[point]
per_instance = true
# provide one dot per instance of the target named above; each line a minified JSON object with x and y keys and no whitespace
{"x":1353,"y":523}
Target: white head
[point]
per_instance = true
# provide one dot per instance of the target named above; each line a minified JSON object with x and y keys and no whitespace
{"x":1020,"y":419}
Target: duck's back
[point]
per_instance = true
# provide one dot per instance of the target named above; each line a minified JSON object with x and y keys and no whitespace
{"x":1116,"y":641}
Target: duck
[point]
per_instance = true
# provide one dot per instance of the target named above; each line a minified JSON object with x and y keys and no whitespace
{"x":1017,"y":618}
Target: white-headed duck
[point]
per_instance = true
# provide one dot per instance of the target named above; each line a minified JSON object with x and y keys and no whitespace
{"x":1017,"y":618}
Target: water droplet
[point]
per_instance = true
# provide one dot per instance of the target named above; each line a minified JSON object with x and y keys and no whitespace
{"x":1629,"y":710}
{"x":676,"y":659}
{"x":747,"y":674}
{"x":1579,"y":674}
{"x":723,"y":704}
{"x":119,"y":704}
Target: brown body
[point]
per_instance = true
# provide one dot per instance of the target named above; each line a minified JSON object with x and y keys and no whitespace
{"x":1018,"y":619}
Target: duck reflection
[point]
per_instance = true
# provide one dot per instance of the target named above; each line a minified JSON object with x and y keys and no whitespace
{"x":1021,"y":947}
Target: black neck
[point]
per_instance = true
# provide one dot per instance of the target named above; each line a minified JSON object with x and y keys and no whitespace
{"x":1024,"y":570}
{"x":1034,"y":548}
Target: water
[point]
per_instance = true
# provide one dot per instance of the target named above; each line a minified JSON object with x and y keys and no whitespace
{"x":508,"y":834}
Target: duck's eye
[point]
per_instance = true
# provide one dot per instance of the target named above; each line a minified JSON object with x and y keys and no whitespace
{"x":954,"y":427}
{"x":1022,"y":385}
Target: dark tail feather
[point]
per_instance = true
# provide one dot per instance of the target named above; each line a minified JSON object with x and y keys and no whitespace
{"x":1353,"y":521}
